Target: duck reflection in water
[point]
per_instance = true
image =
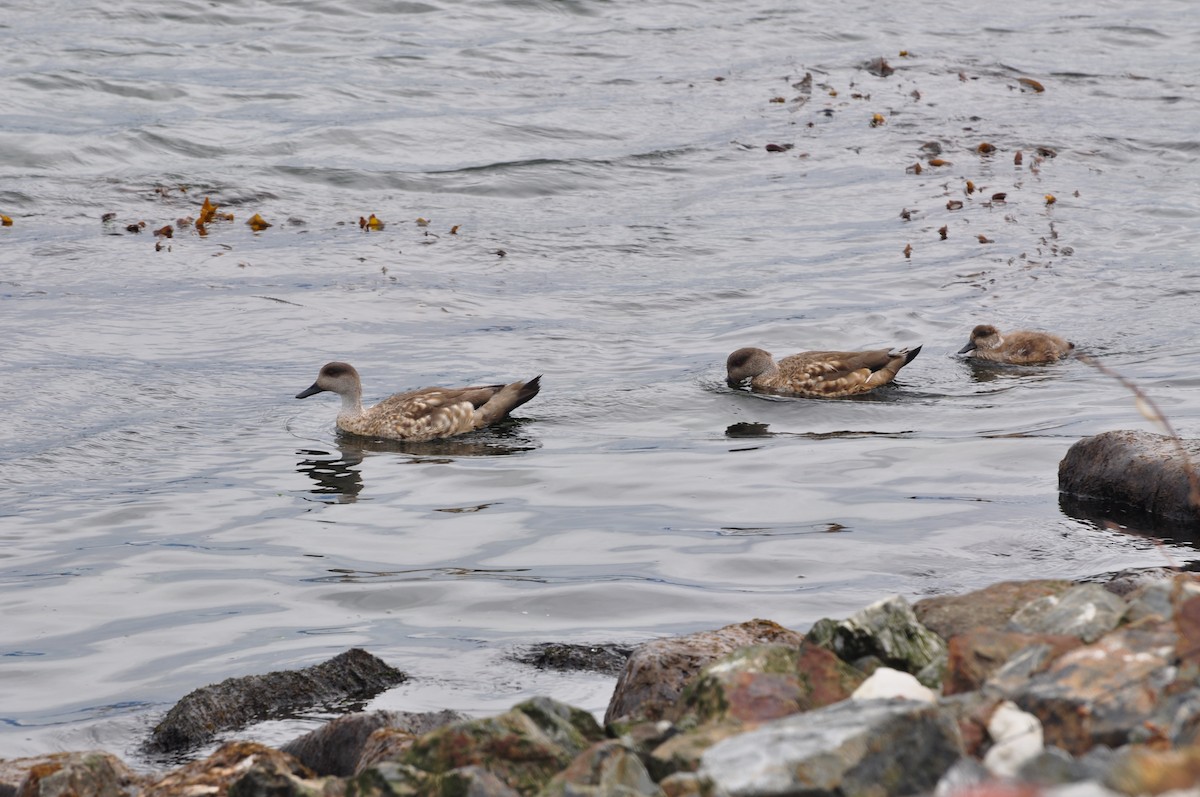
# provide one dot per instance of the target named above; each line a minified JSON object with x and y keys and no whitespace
{"x":339,"y":477}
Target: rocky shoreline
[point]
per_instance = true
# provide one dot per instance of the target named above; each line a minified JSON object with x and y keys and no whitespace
{"x":1027,"y":687}
{"x":1022,"y":688}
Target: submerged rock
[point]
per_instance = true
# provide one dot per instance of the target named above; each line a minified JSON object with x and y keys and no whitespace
{"x":237,"y":702}
{"x":869,"y":748}
{"x":607,"y":659}
{"x":657,"y":671}
{"x":336,"y":747}
{"x":1132,"y":471}
{"x":887,"y":630}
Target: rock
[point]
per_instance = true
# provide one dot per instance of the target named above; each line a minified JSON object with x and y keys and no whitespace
{"x":1098,"y":693}
{"x":886,"y":682}
{"x":1054,"y":766}
{"x":1143,"y":770}
{"x":1016,"y":739}
{"x":237,"y":702}
{"x":85,"y":774}
{"x":1085,"y":610}
{"x":606,"y":659}
{"x":869,"y":748}
{"x":336,"y":747}
{"x":971,"y":710}
{"x":765,"y":682}
{"x":524,"y":747}
{"x":887,"y":630}
{"x":974,"y":656}
{"x":682,"y":752}
{"x":239,"y":769}
{"x":962,"y":778}
{"x":1132,"y":471}
{"x":991,"y":607}
{"x":606,"y":769}
{"x":392,"y":779}
{"x":656,"y":672}
{"x":1123,"y":583}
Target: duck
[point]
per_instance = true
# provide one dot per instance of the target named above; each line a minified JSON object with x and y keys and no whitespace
{"x":817,"y":374}
{"x":1021,"y":347}
{"x":429,"y":413}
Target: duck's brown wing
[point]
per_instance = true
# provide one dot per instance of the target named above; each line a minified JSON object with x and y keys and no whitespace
{"x":842,"y":373}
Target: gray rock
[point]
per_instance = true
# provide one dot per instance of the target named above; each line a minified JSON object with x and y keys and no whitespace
{"x":237,"y":702}
{"x":1087,"y":611}
{"x":335,"y":747}
{"x":1052,"y":767}
{"x":887,"y":630}
{"x":851,"y":749}
{"x":1126,"y":470}
{"x":965,"y":773}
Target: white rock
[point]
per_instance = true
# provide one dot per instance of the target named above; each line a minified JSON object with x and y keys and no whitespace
{"x":1016,"y":738}
{"x":886,"y":682}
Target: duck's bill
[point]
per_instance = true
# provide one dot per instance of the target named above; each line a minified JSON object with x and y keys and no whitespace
{"x":311,"y":391}
{"x":967,"y":348}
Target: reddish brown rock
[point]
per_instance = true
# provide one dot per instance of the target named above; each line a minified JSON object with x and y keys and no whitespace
{"x":975,"y":655}
{"x":765,"y":682}
{"x":1101,"y":693}
{"x":656,"y":673}
{"x":991,"y":607}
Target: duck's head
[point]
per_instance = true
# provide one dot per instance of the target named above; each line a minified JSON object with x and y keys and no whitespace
{"x":340,"y":378}
{"x":984,"y":336}
{"x":746,"y":363}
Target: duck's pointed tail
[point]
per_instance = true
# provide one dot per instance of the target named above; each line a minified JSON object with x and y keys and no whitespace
{"x":507,"y":399}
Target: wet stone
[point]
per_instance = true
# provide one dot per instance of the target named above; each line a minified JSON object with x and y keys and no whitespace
{"x":237,"y":702}
{"x":607,"y":659}
{"x":1132,"y":470}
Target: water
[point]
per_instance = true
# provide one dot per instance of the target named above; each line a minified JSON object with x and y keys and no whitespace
{"x":171,"y":516}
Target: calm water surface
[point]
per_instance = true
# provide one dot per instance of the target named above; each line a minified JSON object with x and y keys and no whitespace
{"x":170,"y":516}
